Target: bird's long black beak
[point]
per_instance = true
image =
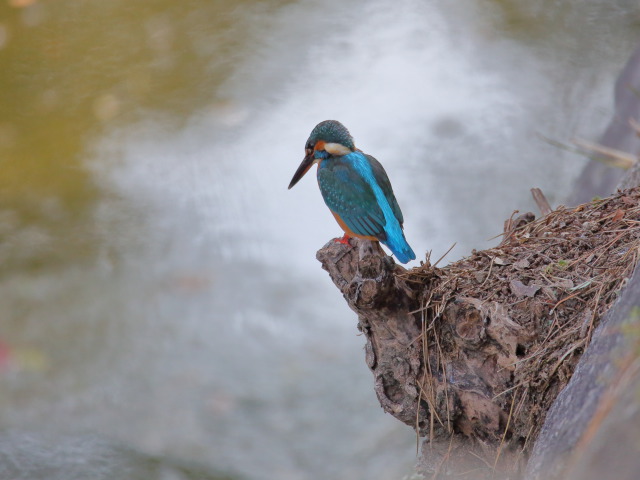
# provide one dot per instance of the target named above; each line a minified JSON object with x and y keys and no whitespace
{"x":303,"y":168}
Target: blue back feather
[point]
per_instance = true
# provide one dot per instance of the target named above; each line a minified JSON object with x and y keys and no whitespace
{"x":356,"y":187}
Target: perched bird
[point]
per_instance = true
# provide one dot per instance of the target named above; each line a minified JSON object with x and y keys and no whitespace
{"x":355,"y":187}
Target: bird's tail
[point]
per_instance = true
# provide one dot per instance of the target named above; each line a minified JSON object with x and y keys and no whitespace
{"x":400,"y":248}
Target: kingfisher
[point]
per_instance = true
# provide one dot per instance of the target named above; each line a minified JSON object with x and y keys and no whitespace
{"x":355,"y":187}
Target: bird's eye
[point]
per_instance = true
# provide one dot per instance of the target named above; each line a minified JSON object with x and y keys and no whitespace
{"x":308,"y":151}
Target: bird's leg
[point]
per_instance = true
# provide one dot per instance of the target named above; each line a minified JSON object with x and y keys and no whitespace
{"x":344,"y":240}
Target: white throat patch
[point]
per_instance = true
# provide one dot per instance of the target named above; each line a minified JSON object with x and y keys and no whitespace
{"x":336,"y":149}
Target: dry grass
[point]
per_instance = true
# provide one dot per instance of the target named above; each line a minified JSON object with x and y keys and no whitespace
{"x":556,"y":276}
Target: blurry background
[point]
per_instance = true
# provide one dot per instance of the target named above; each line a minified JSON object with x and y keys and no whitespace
{"x":162,"y":314}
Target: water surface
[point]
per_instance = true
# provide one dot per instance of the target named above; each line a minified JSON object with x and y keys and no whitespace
{"x":159,"y":293}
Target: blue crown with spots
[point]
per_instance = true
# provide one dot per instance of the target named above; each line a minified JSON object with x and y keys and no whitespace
{"x":331,"y":131}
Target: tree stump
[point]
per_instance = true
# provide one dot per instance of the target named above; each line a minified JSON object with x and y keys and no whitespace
{"x":473,"y":355}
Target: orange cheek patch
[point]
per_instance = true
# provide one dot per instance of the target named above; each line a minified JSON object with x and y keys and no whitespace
{"x":319,"y":145}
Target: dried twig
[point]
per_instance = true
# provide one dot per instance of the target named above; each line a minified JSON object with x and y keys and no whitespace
{"x":541,"y":201}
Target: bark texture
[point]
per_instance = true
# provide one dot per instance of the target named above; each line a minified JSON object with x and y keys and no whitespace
{"x":473,"y":355}
{"x":372,"y":285}
{"x":413,"y":384}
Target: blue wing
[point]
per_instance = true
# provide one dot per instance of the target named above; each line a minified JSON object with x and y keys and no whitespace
{"x":351,"y":197}
{"x":383,"y":180}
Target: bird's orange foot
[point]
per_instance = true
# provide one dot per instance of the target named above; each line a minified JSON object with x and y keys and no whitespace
{"x":344,"y":240}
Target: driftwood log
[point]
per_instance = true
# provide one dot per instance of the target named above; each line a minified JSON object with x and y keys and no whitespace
{"x":474,"y":354}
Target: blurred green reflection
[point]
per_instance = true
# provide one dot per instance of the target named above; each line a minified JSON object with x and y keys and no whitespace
{"x":68,"y":70}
